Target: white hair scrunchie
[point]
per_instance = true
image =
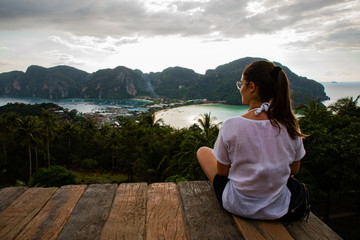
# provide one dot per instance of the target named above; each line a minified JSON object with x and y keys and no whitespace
{"x":264,"y":107}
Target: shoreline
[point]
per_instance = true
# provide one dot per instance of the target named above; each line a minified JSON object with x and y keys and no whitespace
{"x":190,"y":105}
{"x":186,"y":116}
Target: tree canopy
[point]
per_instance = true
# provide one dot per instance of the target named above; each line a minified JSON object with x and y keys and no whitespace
{"x":150,"y":151}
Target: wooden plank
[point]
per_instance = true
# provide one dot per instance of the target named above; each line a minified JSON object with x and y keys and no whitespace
{"x":19,"y":213}
{"x":313,"y":229}
{"x":128,"y":213}
{"x":165,"y":217}
{"x":204,"y":215}
{"x":261,"y":230}
{"x":49,"y":222}
{"x":9,"y":194}
{"x":90,"y":213}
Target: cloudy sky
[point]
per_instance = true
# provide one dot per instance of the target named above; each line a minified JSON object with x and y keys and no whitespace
{"x":319,"y":39}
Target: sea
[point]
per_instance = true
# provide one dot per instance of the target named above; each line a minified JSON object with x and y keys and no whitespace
{"x":83,"y":105}
{"x":180,"y":117}
{"x":186,"y":116}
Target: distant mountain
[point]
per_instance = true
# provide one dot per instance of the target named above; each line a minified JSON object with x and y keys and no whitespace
{"x":123,"y":83}
{"x":219,"y":84}
{"x":56,"y":82}
{"x":173,"y":82}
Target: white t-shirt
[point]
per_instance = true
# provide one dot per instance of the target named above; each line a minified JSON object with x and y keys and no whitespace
{"x":260,"y":157}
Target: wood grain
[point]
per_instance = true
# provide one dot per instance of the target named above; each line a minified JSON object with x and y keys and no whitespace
{"x":204,"y":215}
{"x":313,"y":229}
{"x":90,"y":213}
{"x":49,"y":222}
{"x":7,"y":195}
{"x":165,"y":218}
{"x":128,"y":213}
{"x":188,"y":210}
{"x":261,"y":230}
{"x":19,"y":213}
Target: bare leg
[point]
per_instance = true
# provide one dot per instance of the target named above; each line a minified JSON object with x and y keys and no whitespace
{"x":207,"y":162}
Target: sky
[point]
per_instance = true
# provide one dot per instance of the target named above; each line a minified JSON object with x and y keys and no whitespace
{"x":318,"y":39}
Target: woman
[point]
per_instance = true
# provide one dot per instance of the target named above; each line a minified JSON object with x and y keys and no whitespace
{"x":255,"y":154}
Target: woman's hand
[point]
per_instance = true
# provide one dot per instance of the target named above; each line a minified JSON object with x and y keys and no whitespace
{"x":222,"y":169}
{"x":294,"y":167}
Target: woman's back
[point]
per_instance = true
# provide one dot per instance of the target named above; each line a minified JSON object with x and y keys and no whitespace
{"x":260,"y":156}
{"x":257,"y":150}
{"x":255,"y":154}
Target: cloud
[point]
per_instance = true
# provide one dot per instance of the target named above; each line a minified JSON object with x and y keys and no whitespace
{"x":329,"y":73}
{"x":324,"y":23}
{"x":4,"y":62}
{"x":86,"y":43}
{"x":337,"y":73}
{"x":64,"y":59}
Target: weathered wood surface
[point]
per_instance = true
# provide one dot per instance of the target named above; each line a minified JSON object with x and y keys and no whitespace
{"x":7,"y":195}
{"x":188,"y":210}
{"x":313,"y":229}
{"x":90,"y":213}
{"x":19,"y":213}
{"x":128,"y":213}
{"x":165,"y":218}
{"x":205,"y":218}
{"x":261,"y":230}
{"x":49,"y":222}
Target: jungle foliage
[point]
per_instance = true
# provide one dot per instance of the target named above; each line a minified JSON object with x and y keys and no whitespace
{"x":123,"y":83}
{"x":145,"y":150}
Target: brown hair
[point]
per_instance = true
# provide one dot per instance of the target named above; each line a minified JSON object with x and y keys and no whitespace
{"x":274,"y":88}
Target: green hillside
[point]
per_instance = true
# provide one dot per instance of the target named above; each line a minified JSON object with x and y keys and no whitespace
{"x":123,"y":83}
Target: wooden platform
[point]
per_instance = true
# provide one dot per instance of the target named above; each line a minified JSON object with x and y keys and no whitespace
{"x":187,"y":210}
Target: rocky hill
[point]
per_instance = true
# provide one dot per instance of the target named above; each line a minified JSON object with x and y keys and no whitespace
{"x":124,"y":83}
{"x":53,"y":83}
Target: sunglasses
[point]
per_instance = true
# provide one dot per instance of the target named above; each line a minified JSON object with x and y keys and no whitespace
{"x":238,"y":84}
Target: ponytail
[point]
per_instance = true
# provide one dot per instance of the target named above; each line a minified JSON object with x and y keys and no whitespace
{"x":274,"y":88}
{"x":280,"y":106}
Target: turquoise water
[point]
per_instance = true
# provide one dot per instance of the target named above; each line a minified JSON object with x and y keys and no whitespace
{"x":186,"y":116}
{"x":182,"y":116}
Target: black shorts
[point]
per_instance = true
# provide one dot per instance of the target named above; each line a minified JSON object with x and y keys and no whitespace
{"x":219,"y":185}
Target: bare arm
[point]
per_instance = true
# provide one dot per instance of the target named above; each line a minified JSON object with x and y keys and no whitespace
{"x":294,"y":167}
{"x":222,"y":169}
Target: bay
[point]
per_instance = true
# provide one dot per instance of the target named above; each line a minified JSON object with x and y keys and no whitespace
{"x":186,"y":116}
{"x":179,"y":117}
{"x":83,"y":105}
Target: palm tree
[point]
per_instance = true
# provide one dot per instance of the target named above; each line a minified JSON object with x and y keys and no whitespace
{"x":346,"y":106}
{"x":111,"y":141}
{"x":7,"y":121}
{"x":88,"y":129}
{"x":3,"y":135}
{"x":185,"y":159}
{"x":210,"y":129}
{"x":202,"y":134}
{"x":148,"y":120}
{"x":127,"y":147}
{"x":205,"y":120}
{"x":49,"y":122}
{"x":69,"y":129}
{"x":28,"y":131}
